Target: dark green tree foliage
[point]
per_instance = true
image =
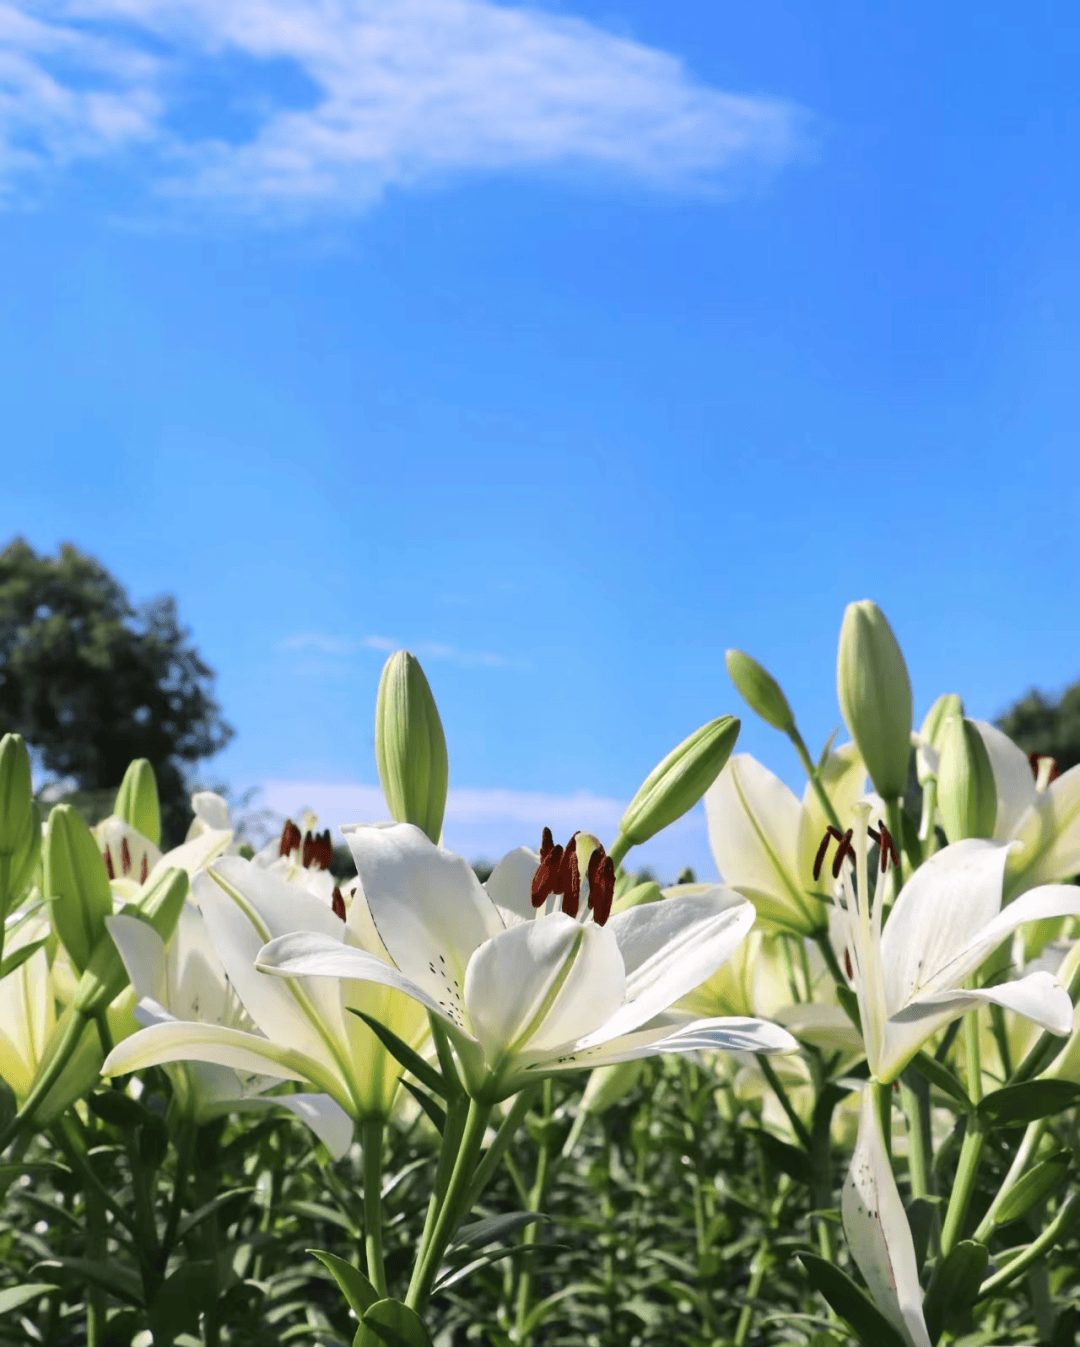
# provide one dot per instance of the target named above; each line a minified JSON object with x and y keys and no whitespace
{"x":1039,"y":724}
{"x":92,"y":682}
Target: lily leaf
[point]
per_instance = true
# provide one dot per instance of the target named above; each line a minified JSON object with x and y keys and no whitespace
{"x":851,"y":1303}
{"x":478,"y":1234}
{"x":433,"y":1111}
{"x":20,"y":956}
{"x":389,"y":1323}
{"x":937,"y":1073}
{"x":955,"y":1284}
{"x":355,"y":1287}
{"x":1018,"y":1105}
{"x":1036,"y":1184}
{"x":790,"y":1160}
{"x":14,"y":1296}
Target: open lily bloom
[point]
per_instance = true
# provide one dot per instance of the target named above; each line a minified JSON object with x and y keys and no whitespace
{"x":764,"y":839}
{"x":131,"y":858}
{"x":305,"y":1029}
{"x":878,"y":1233}
{"x":187,"y":982}
{"x":945,"y":923}
{"x":524,"y":992}
{"x":1035,"y":808}
{"x":302,"y":855}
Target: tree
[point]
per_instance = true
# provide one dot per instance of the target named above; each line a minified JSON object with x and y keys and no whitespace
{"x":91,"y":682}
{"x":1039,"y":724}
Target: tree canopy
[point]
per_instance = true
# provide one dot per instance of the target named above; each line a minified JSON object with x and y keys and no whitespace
{"x":91,"y":682}
{"x":1043,"y":724}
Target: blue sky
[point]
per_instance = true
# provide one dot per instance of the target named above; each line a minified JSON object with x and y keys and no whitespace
{"x":567,"y":345}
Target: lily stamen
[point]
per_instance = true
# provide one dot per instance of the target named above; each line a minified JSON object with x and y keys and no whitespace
{"x":559,"y":875}
{"x":291,"y":838}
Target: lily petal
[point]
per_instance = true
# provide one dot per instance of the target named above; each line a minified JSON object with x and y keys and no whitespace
{"x":1048,"y":900}
{"x":878,"y":1233}
{"x":195,"y":854}
{"x":1039,"y":997}
{"x":312,"y":955}
{"x":509,"y":885}
{"x":1050,"y":832}
{"x":671,"y":947}
{"x":944,"y":905}
{"x":143,"y":953}
{"x":724,"y":1034}
{"x":186,"y":1041}
{"x":541,"y":985}
{"x":427,"y":904}
{"x":328,"y":1120}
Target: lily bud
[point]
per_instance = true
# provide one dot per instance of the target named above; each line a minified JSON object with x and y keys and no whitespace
{"x":928,"y":752}
{"x":105,"y":976}
{"x":76,"y":884}
{"x":16,"y":794}
{"x":875,"y":696}
{"x":967,"y":794}
{"x":760,"y":691}
{"x":137,"y":800}
{"x":676,"y":784}
{"x":648,"y":892}
{"x":410,"y":747}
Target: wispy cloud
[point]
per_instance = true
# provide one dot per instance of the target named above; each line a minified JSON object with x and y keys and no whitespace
{"x":488,"y":823}
{"x":323,"y":644}
{"x":323,"y":106}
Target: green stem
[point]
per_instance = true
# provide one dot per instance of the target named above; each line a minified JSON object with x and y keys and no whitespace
{"x":97,"y":1251}
{"x":536,"y":1200}
{"x":963,"y":1185}
{"x":371,"y":1141}
{"x":810,"y":768}
{"x":185,"y":1145}
{"x":48,"y":1078}
{"x":1034,"y":1251}
{"x":928,"y":826}
{"x":896,"y":827}
{"x":1024,"y":1155}
{"x":618,"y":849}
{"x":753,"y":1290}
{"x":503,"y":1137}
{"x":915,"y":1102}
{"x":883,"y":1104}
{"x":452,"y":1208}
{"x":785,"y":1103}
{"x":69,"y":1141}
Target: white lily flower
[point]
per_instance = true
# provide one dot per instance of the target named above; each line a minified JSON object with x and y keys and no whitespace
{"x":524,"y":995}
{"x":878,"y":1233}
{"x":764,"y":839}
{"x":909,"y":977}
{"x":1036,"y":809}
{"x":187,"y":982}
{"x":306,"y":1029}
{"x":302,"y":855}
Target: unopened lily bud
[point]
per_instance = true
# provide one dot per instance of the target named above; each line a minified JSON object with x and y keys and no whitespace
{"x":928,"y":751}
{"x":105,"y":976}
{"x":16,"y":794}
{"x":875,"y":696}
{"x":967,"y":795}
{"x":760,"y":691}
{"x":137,"y":800}
{"x":410,"y":747}
{"x":678,"y":783}
{"x":76,"y":884}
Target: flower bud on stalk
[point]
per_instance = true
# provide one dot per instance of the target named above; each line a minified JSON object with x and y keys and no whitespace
{"x":676,"y":784}
{"x":931,"y":732}
{"x":875,"y":696}
{"x":76,"y":885}
{"x":760,"y":691}
{"x":20,"y":826}
{"x":967,"y":794}
{"x":410,"y":747}
{"x":137,"y":800}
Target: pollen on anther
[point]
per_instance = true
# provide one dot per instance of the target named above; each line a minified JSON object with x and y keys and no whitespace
{"x":143,"y":869}
{"x":291,"y":838}
{"x":107,"y":857}
{"x":844,"y":849}
{"x":338,"y":903}
{"x":125,"y":856}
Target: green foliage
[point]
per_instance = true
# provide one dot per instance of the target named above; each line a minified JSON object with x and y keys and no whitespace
{"x":92,"y":682}
{"x":1042,"y":724}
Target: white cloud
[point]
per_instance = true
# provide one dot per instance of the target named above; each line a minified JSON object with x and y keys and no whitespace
{"x":401,"y":92}
{"x":487,"y":823}
{"x":325,"y":644}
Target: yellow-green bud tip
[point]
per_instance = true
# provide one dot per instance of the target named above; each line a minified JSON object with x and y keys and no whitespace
{"x":137,"y":800}
{"x":410,"y":747}
{"x":874,"y":692}
{"x":760,"y":691}
{"x":678,"y":783}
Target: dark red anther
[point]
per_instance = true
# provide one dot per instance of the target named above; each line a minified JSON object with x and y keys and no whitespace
{"x":290,"y":838}
{"x":601,"y":876}
{"x":1035,"y":758}
{"x":843,"y":849}
{"x":144,"y":869}
{"x":338,"y":903}
{"x":819,"y":859}
{"x":106,"y":856}
{"x":321,"y":854}
{"x":125,"y":856}
{"x":888,"y":850}
{"x":570,"y":880}
{"x":847,"y":966}
{"x":544,"y":882}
